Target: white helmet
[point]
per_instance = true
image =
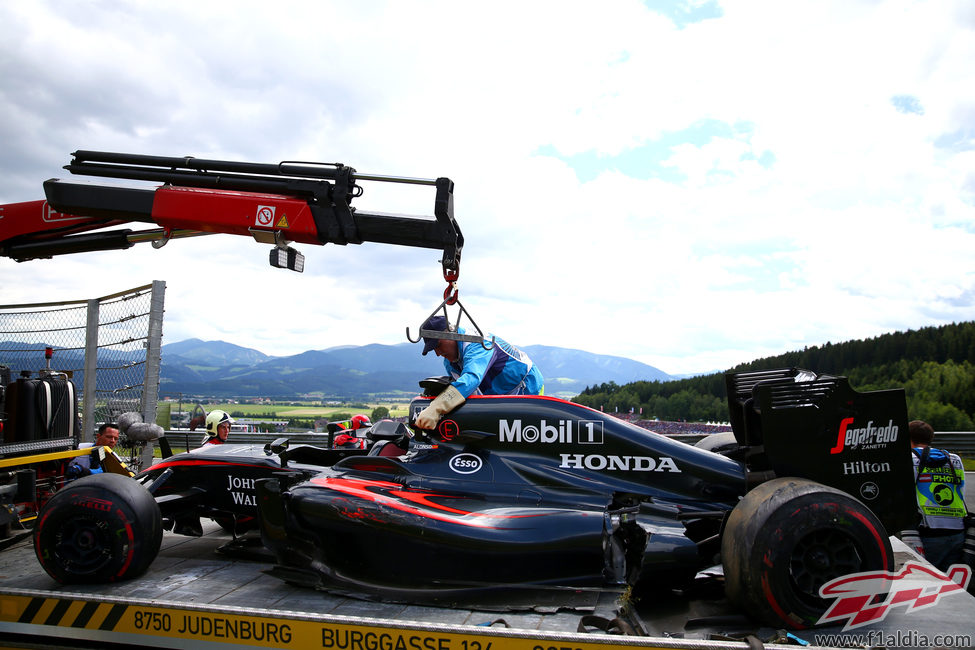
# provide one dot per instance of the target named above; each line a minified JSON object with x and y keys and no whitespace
{"x":215,"y":419}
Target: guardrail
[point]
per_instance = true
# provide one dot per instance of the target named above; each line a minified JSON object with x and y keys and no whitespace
{"x":959,"y":442}
{"x":181,"y":440}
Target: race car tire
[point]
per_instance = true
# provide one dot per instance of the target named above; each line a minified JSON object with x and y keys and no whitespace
{"x":718,"y":442}
{"x":788,"y":537}
{"x":100,"y":528}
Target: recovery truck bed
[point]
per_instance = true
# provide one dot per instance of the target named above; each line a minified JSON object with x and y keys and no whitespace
{"x":194,"y":597}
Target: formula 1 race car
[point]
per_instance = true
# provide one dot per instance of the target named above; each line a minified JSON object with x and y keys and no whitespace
{"x":536,"y":493}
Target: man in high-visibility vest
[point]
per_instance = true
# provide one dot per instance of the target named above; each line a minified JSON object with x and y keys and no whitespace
{"x":940,"y":497}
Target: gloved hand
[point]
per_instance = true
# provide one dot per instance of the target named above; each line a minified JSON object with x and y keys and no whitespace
{"x":75,"y":471}
{"x":445,"y":402}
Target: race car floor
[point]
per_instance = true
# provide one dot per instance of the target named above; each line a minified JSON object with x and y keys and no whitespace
{"x":190,"y":570}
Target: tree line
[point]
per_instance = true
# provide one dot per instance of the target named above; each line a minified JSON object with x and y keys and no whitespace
{"x":934,"y":365}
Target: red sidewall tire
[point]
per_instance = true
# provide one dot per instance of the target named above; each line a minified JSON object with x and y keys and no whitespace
{"x":100,"y":528}
{"x":788,"y":537}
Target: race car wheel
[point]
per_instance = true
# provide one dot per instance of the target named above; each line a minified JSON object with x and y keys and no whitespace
{"x":100,"y":528}
{"x":787,"y":538}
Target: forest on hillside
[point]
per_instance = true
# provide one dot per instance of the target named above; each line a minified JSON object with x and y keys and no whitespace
{"x":934,"y":365}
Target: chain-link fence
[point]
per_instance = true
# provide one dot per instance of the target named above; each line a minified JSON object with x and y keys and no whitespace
{"x":108,"y":346}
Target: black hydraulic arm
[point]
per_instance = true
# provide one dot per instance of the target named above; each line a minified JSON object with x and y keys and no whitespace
{"x":328,"y":189}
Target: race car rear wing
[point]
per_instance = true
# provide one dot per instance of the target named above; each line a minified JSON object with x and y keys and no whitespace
{"x":794,"y":422}
{"x":273,"y":203}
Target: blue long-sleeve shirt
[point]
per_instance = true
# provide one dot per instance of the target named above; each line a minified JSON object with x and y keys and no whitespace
{"x":502,"y":369}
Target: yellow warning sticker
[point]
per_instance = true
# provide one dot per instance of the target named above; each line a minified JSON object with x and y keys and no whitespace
{"x":282,"y":222}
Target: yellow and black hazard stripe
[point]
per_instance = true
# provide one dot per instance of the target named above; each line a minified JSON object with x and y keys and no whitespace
{"x":72,"y":613}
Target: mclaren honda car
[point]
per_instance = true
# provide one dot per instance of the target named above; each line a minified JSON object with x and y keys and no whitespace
{"x":512,"y":493}
{"x":530,"y":493}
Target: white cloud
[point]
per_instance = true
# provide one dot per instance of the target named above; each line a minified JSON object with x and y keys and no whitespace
{"x":821,"y":213}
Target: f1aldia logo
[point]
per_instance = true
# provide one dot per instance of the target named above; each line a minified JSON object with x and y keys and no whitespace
{"x":869,"y":437}
{"x":915,"y":586}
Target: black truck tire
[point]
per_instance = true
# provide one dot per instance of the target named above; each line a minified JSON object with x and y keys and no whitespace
{"x":100,"y":528}
{"x":788,"y":537}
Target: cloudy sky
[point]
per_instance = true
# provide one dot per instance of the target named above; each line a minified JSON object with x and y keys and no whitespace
{"x":692,"y":184}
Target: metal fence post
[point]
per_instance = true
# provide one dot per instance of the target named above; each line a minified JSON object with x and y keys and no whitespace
{"x":150,"y":388}
{"x":91,"y":372}
{"x":150,"y":392}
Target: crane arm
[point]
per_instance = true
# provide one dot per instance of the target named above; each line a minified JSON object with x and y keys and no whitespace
{"x":309,"y":203}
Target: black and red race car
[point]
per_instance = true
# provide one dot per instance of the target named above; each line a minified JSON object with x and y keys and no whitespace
{"x":537,"y":493}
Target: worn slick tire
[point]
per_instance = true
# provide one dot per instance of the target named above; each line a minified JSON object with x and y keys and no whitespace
{"x":788,"y":537}
{"x":100,"y":528}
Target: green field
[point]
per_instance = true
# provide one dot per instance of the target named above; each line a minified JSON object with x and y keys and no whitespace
{"x":289,"y":410}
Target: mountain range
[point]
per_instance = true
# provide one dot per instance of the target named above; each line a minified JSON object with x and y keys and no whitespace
{"x":221,"y":369}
